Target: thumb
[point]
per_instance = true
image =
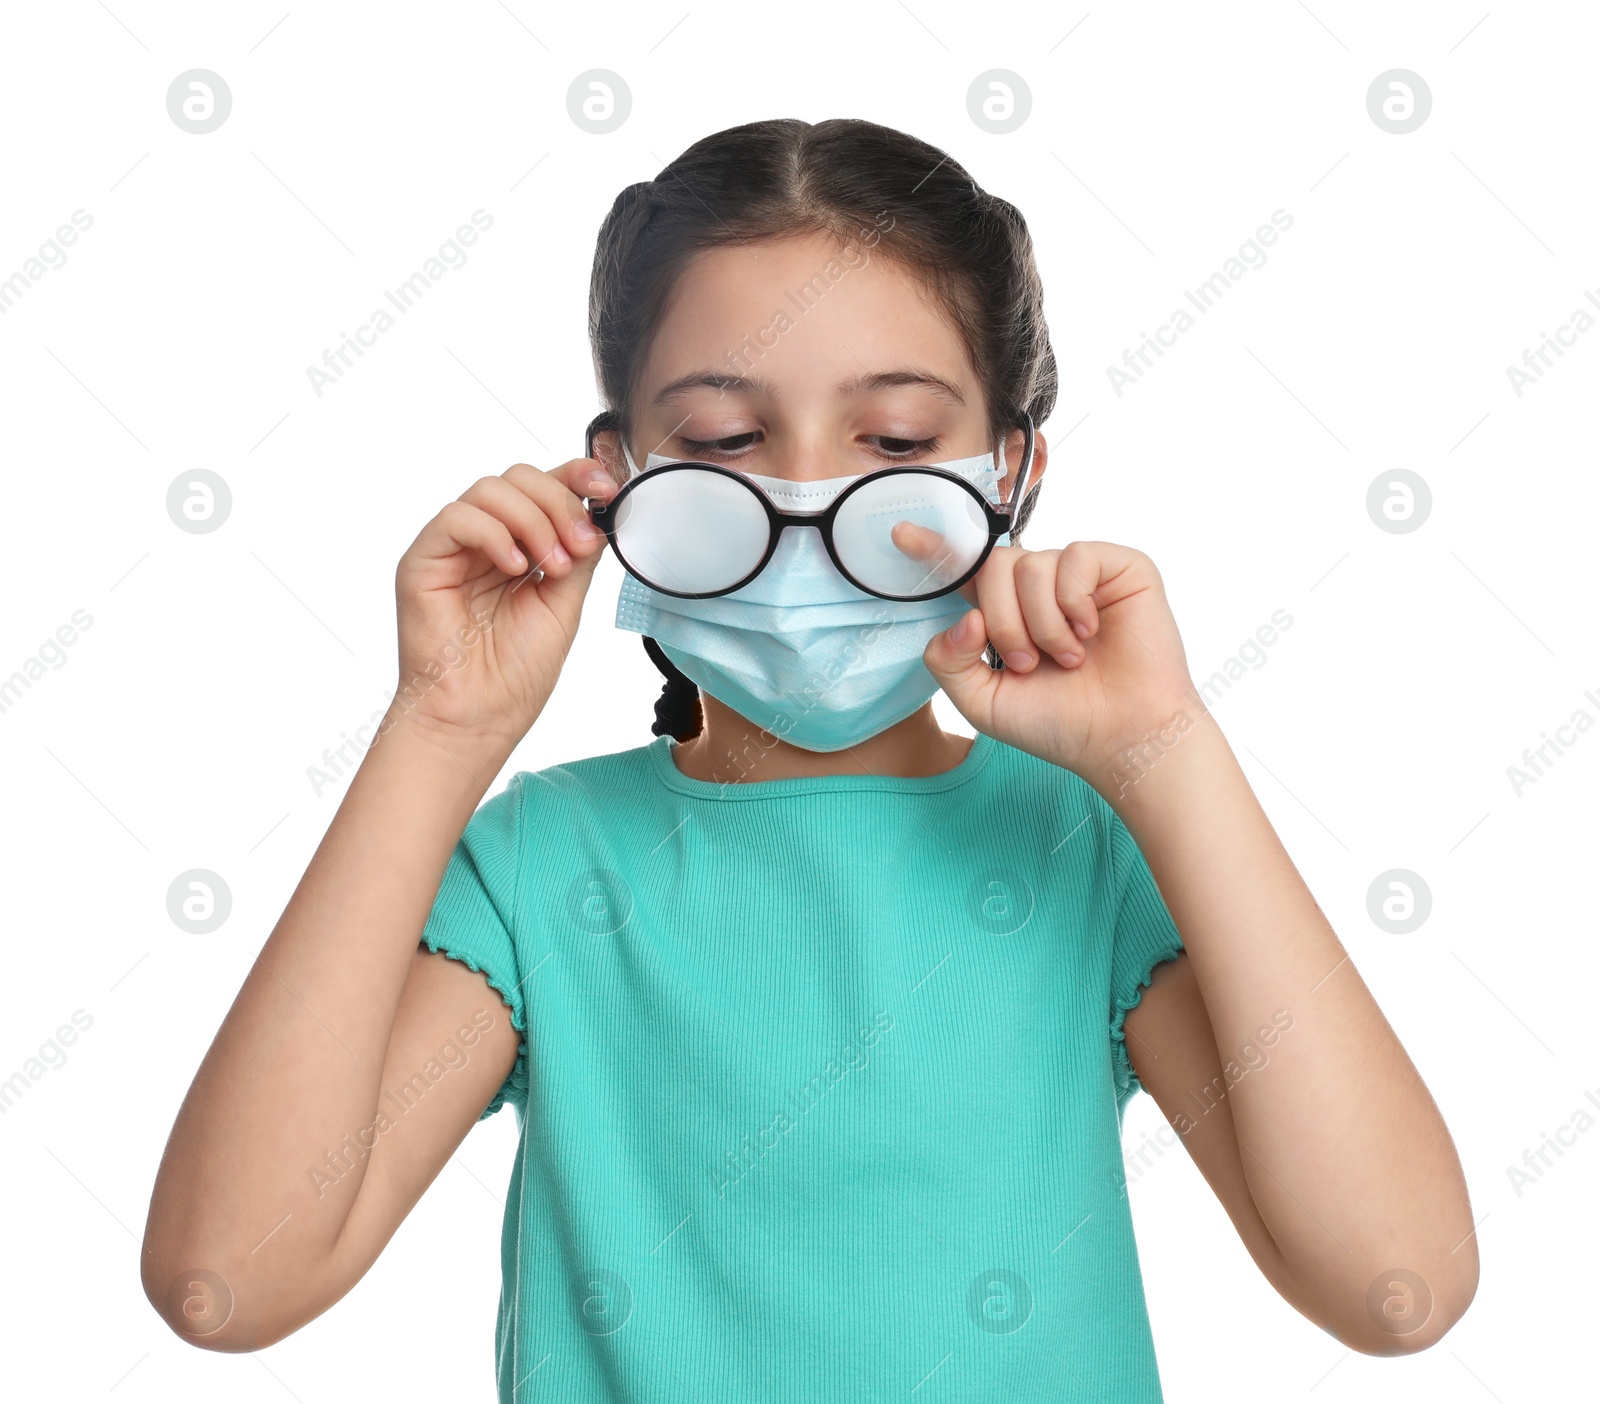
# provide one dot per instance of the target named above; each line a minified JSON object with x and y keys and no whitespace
{"x":955,"y":658}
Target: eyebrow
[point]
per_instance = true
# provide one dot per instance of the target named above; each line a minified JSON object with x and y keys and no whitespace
{"x":856,"y":385}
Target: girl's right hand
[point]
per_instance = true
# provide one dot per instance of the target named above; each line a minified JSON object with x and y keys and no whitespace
{"x":485,"y":626}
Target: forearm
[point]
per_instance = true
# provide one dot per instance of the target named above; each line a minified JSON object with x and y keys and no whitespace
{"x":1347,"y":1158}
{"x":295,"y":1067}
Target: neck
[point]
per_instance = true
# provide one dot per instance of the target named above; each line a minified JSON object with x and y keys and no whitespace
{"x":730,"y":748}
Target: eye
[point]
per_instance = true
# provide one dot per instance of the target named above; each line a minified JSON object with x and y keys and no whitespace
{"x":730,"y":447}
{"x":737,"y":445}
{"x":893,"y":448}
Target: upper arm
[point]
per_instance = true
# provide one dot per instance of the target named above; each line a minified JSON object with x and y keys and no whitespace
{"x":452,"y":1049}
{"x":1174,"y":1053}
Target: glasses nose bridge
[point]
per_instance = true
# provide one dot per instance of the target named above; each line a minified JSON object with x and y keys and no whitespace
{"x":789,"y":520}
{"x":783,"y":517}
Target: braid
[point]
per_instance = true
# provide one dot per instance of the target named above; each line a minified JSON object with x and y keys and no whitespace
{"x":678,"y":713}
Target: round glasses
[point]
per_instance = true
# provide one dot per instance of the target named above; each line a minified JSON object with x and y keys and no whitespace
{"x":905,"y":532}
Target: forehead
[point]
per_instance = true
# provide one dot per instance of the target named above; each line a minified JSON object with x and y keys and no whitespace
{"x":804,"y":312}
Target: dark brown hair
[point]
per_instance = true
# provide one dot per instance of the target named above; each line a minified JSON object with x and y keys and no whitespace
{"x":844,"y":177}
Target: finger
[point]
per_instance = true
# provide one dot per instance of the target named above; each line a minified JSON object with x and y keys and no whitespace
{"x":997,"y":598}
{"x":584,"y":477}
{"x":563,"y":592}
{"x":1095,"y":575}
{"x":930,"y":549}
{"x":526,"y":519}
{"x":919,"y":542}
{"x":969,"y":588}
{"x":1037,"y":575}
{"x":955,"y":658}
{"x":462,"y":527}
{"x":561,"y":493}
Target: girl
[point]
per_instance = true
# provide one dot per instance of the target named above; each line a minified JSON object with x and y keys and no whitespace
{"x":819,"y":1021}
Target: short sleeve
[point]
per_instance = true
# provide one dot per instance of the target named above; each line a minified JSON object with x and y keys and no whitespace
{"x":1144,"y":935}
{"x":474,"y":917}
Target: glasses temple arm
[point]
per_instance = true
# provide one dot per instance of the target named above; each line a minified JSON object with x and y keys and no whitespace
{"x":1024,"y":469}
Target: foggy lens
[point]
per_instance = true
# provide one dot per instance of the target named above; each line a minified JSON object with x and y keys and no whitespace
{"x":690,"y":530}
{"x":945,"y":537}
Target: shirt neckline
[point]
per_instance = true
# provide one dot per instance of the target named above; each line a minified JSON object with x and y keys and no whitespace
{"x":666,"y":770}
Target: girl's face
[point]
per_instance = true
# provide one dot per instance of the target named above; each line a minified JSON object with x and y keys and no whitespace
{"x":800,"y":358}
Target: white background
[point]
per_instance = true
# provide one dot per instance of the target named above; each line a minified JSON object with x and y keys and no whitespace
{"x":1378,"y":732}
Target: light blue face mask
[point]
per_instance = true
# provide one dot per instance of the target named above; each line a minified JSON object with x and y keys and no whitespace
{"x":800,"y":651}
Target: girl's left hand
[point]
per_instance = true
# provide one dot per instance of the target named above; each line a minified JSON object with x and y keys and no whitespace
{"x":1093,"y":658}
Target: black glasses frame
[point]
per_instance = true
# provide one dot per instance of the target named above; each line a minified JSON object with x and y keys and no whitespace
{"x":998,"y":519}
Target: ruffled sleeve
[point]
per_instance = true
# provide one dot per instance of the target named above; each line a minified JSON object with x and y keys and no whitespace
{"x":1144,"y":937}
{"x":474,"y":918}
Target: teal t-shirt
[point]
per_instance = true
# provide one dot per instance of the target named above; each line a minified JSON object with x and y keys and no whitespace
{"x":821,"y":1084}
